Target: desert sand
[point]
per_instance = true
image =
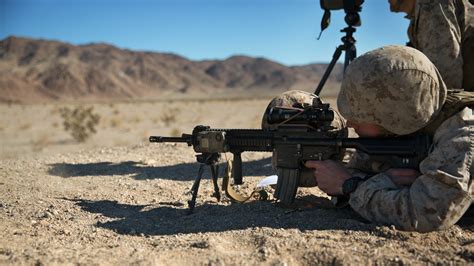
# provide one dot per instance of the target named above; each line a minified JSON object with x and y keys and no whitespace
{"x":117,"y":199}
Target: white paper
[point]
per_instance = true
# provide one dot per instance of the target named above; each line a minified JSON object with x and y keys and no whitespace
{"x":267,"y":181}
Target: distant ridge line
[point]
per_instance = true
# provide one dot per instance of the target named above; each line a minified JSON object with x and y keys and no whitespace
{"x":33,"y":70}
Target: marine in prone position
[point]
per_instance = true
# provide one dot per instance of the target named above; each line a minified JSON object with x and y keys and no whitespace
{"x":394,"y":91}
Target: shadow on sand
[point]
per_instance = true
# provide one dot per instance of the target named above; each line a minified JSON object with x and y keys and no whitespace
{"x":140,"y":171}
{"x":172,"y":218}
{"x":169,"y":218}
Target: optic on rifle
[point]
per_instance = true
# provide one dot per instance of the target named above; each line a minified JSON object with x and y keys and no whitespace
{"x":278,"y":115}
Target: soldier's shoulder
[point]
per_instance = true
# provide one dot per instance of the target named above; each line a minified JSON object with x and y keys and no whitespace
{"x":458,"y":124}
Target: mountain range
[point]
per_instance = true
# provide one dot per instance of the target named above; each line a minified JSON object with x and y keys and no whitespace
{"x":33,"y":70}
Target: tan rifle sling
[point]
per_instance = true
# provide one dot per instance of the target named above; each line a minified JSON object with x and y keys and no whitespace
{"x":234,"y":195}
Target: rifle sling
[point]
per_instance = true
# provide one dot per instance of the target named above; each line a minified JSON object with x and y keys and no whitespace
{"x":229,"y":190}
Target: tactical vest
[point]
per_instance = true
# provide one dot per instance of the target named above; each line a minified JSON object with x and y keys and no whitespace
{"x":456,"y":100}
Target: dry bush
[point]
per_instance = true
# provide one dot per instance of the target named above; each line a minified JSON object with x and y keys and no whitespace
{"x":169,"y":116}
{"x":116,"y":122}
{"x":175,"y":132}
{"x":80,"y":122}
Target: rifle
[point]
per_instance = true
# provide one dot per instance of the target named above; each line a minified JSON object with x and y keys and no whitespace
{"x":301,"y":135}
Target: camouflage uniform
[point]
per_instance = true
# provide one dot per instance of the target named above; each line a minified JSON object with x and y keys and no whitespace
{"x":444,"y":31}
{"x":399,"y":89}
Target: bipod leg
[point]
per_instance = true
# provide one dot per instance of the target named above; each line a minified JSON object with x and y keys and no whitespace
{"x":215,"y":173}
{"x":195,"y":188}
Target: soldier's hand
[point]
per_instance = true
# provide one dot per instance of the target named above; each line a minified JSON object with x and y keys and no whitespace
{"x":402,"y":176}
{"x":330,"y":175}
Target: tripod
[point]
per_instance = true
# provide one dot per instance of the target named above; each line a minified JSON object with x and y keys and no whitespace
{"x":348,"y":45}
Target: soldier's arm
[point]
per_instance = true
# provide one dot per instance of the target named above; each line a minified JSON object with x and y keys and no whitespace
{"x":439,"y":197}
{"x":438,"y":36}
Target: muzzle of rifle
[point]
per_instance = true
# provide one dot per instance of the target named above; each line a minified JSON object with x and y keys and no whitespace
{"x":160,"y":139}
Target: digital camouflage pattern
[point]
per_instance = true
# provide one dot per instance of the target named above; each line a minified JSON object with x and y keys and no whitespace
{"x":444,"y":31}
{"x":439,"y":197}
{"x":395,"y":87}
{"x":382,"y":86}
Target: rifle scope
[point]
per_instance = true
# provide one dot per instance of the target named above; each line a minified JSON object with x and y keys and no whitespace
{"x":279,"y":115}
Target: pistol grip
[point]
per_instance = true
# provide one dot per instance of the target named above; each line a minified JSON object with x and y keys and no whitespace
{"x":237,"y":169}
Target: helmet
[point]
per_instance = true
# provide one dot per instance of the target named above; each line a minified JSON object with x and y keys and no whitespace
{"x":395,"y":87}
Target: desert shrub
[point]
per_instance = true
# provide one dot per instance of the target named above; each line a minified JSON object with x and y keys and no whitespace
{"x":169,"y":116}
{"x":80,"y":122}
{"x":116,"y":122}
{"x":175,"y":132}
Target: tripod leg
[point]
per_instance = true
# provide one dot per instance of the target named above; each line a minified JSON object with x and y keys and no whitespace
{"x":215,"y":173}
{"x":195,"y":188}
{"x":335,"y":57}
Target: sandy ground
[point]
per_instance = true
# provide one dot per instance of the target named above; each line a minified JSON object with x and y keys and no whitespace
{"x":118,"y":199}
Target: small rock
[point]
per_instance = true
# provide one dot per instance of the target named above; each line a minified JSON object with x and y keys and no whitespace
{"x":47,"y":215}
{"x":64,"y":232}
{"x":200,"y":244}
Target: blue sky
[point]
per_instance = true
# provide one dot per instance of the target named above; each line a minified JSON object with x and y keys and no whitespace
{"x":280,"y":30}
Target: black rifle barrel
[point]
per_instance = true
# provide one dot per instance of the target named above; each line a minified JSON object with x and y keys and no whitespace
{"x":168,"y":139}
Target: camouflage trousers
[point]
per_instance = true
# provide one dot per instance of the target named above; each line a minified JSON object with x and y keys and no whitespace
{"x":300,"y":99}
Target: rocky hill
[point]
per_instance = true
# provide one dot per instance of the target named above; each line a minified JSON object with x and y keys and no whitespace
{"x":40,"y":70}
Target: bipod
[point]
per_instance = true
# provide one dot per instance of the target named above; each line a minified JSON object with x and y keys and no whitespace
{"x":211,"y":160}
